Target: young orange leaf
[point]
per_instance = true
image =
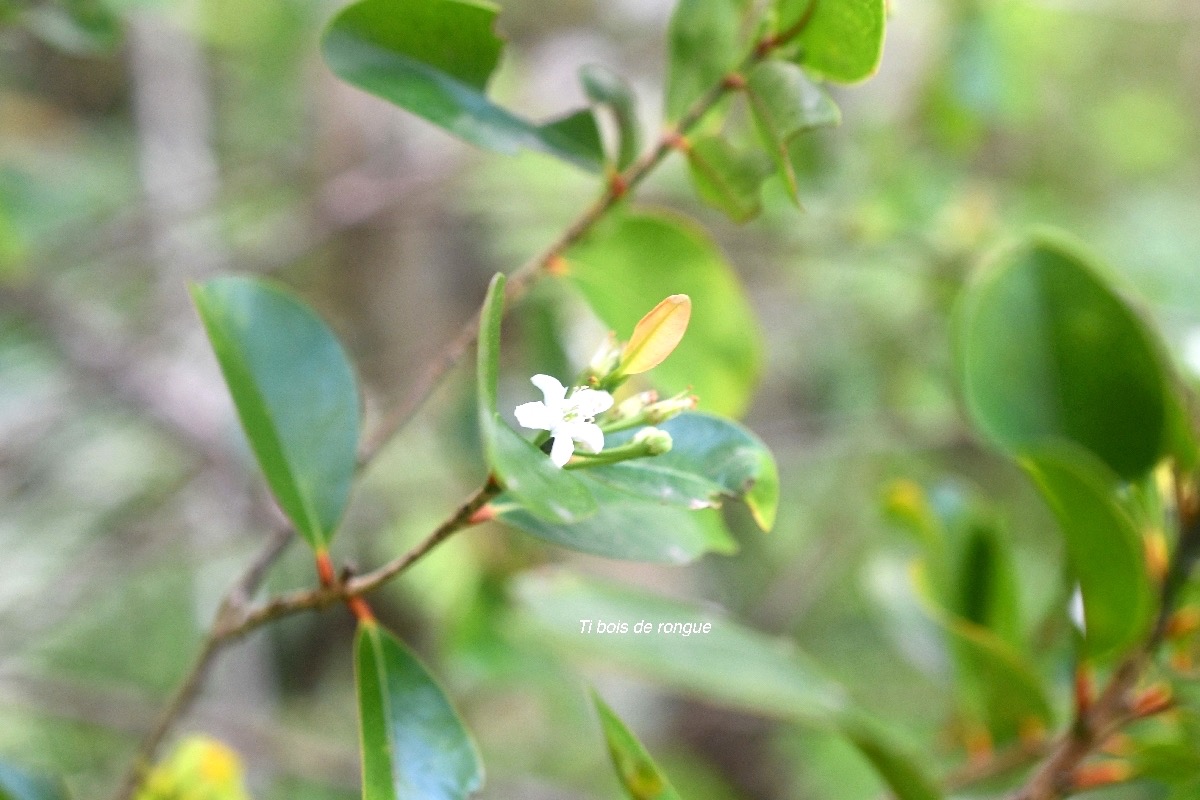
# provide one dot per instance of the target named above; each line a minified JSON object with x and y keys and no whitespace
{"x":656,"y":335}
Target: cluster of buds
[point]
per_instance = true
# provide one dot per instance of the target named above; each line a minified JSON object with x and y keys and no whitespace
{"x":585,"y":413}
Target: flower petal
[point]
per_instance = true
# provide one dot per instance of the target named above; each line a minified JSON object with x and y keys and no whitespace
{"x":553,"y":392}
{"x":560,"y":452}
{"x":591,"y":402}
{"x":588,"y":435}
{"x":535,"y":415}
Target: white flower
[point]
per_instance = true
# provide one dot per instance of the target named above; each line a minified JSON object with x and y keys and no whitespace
{"x":569,"y":419}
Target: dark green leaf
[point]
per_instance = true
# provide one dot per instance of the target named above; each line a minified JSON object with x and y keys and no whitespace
{"x":896,"y":764}
{"x":731,"y":664}
{"x":18,"y":784}
{"x":527,"y":474}
{"x":640,"y":777}
{"x":1048,"y":350}
{"x":726,"y":178}
{"x":296,"y":395}
{"x":632,"y":261}
{"x":785,"y":104}
{"x":995,"y":679}
{"x":1103,"y":545}
{"x":627,"y":527}
{"x":607,"y":88}
{"x":433,"y":58}
{"x":843,"y":39}
{"x":711,"y":458}
{"x":705,"y":44}
{"x":414,"y":746}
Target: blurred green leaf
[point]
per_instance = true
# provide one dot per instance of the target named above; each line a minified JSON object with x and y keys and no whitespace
{"x":640,"y":777}
{"x":1103,"y":546}
{"x":995,"y":678}
{"x":632,"y":261}
{"x":726,"y":178}
{"x":627,"y":526}
{"x":785,"y":104}
{"x":710,"y":458}
{"x":434,"y":58}
{"x":18,"y":784}
{"x":80,"y":27}
{"x":843,"y":39}
{"x":731,"y":664}
{"x":414,"y":745}
{"x":900,"y":769}
{"x":607,"y":88}
{"x":705,"y":44}
{"x":1047,"y":349}
{"x":295,"y":393}
{"x":527,"y":474}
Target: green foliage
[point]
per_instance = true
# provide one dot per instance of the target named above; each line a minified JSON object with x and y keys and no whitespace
{"x":524,"y":471}
{"x":295,"y":393}
{"x":1047,"y":350}
{"x":727,"y":178}
{"x":633,"y":260}
{"x":1103,"y":545}
{"x":842,"y":40}
{"x":434,"y":58}
{"x":640,"y":777}
{"x":895,"y":763}
{"x":785,"y":104}
{"x":18,"y":784}
{"x":414,"y":746}
{"x":704,"y":43}
{"x":609,"y":90}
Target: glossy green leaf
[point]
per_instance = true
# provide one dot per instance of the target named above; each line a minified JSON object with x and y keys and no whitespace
{"x":610,"y":90}
{"x":527,"y":474}
{"x":1104,"y":548}
{"x":295,"y":393}
{"x":705,"y":44}
{"x":900,"y":768}
{"x":414,"y":746}
{"x":731,"y":664}
{"x":843,"y":39}
{"x":632,"y":261}
{"x":1048,"y":350}
{"x":726,"y":178}
{"x":711,"y":458}
{"x":626,"y":526}
{"x":998,"y":681}
{"x":786,"y":104}
{"x":19,"y":784}
{"x":434,"y":58}
{"x":640,"y":777}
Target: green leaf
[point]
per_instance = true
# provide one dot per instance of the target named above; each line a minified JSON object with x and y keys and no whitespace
{"x":608,"y":89}
{"x":726,"y":178}
{"x":786,"y":104}
{"x":18,"y":784}
{"x":626,"y":526}
{"x":705,"y":44}
{"x":1104,"y":547}
{"x":1048,"y":350}
{"x":711,"y":458}
{"x":631,"y":261}
{"x":526,"y":473}
{"x":843,"y":39}
{"x":414,"y":746}
{"x":434,"y":58}
{"x":896,"y":764}
{"x":731,"y":664}
{"x":295,"y":393}
{"x":639,"y":775}
{"x":994,"y":676}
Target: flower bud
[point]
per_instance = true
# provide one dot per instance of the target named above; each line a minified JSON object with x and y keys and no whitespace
{"x":606,"y":357}
{"x":654,"y":440}
{"x":664,"y":410}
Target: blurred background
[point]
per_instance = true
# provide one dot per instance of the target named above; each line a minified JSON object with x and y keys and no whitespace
{"x":148,"y":143}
